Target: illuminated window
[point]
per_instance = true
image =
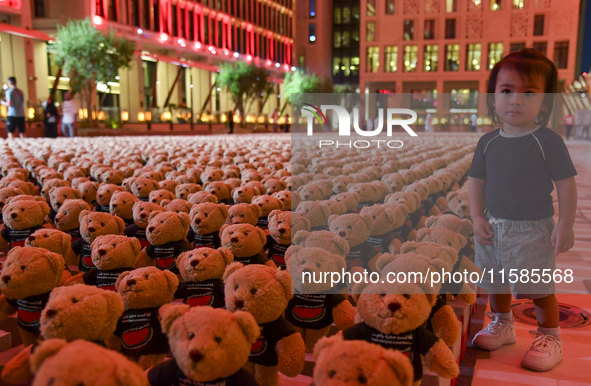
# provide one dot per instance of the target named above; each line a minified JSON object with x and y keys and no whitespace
{"x":409,"y":30}
{"x":346,"y":15}
{"x":346,"y":39}
{"x":451,"y":6}
{"x":561,"y":54}
{"x":430,"y":58}
{"x":452,"y":57}
{"x":337,"y":15}
{"x":336,"y":42}
{"x":495,"y":5}
{"x":541,"y":47}
{"x":371,"y":8}
{"x":429,"y":29}
{"x":389,"y":7}
{"x":495,"y":54}
{"x":355,"y":65}
{"x":464,"y":98}
{"x":514,"y":47}
{"x":517,"y":4}
{"x":539,"y":25}
{"x":391,"y":58}
{"x":473,"y":54}
{"x":410,"y":58}
{"x":373,"y":59}
{"x":370,"y":33}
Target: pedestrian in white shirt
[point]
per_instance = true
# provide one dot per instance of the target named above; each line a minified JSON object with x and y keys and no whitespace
{"x":69,"y":115}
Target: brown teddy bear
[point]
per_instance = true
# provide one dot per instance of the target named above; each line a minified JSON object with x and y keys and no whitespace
{"x":316,"y":212}
{"x":6,"y":193}
{"x":350,"y":199}
{"x":51,"y":183}
{"x":340,"y":362}
{"x":177,"y":205}
{"x":244,"y":194}
{"x":246,"y":242}
{"x":244,"y":214}
{"x":142,"y":187}
{"x":390,"y":229}
{"x":141,"y":217}
{"x":322,"y":239}
{"x":393,"y":316}
{"x":219,"y":189}
{"x":202,"y":271}
{"x":121,"y":205}
{"x":210,"y":347}
{"x":201,"y":197}
{"x":206,"y":220}
{"x":138,"y":333}
{"x":265,"y":292}
{"x":267,"y":203}
{"x":76,"y":312}
{"x":451,"y":222}
{"x":57,"y":196}
{"x":103,"y":196}
{"x":355,"y":229}
{"x":55,"y":241}
{"x":166,"y":233}
{"x":111,"y":256}
{"x":67,"y":218}
{"x":290,"y":200}
{"x":93,"y":225}
{"x":459,"y":203}
{"x":156,"y":196}
{"x":88,"y":190}
{"x":28,"y":276}
{"x":412,"y":200}
{"x":57,"y":362}
{"x":182,"y":191}
{"x":315,"y":306}
{"x":279,"y":238}
{"x":21,"y":219}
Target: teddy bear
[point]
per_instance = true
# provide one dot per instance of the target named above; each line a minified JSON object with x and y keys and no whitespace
{"x":265,"y":292}
{"x":290,"y":200}
{"x":177,"y":205}
{"x":351,"y":200}
{"x":322,"y":239}
{"x":21,"y":219}
{"x":335,"y":206}
{"x":315,"y":306}
{"x":313,"y":192}
{"x":279,"y":237}
{"x":244,"y":214}
{"x":142,"y":187}
{"x":206,"y":220}
{"x":355,"y":229}
{"x":67,"y":218}
{"x":244,"y":194}
{"x":274,"y":185}
{"x":57,"y":196}
{"x":369,"y":193}
{"x":103,"y":196}
{"x":156,"y":196}
{"x":139,"y":334}
{"x":121,"y":205}
{"x":141,"y":215}
{"x":393,"y":315}
{"x":451,"y":222}
{"x":315,"y":211}
{"x":390,"y":229}
{"x":54,"y":241}
{"x":210,"y":347}
{"x":182,"y":191}
{"x":201,"y":197}
{"x":394,"y":181}
{"x":356,"y":362}
{"x":428,"y":207}
{"x":27,"y":277}
{"x":93,"y":225}
{"x":51,"y":183}
{"x":57,"y":362}
{"x":71,"y":313}
{"x":412,"y":200}
{"x":458,"y":203}
{"x":111,"y":256}
{"x":168,"y":185}
{"x":219,"y":189}
{"x":267,"y":204}
{"x":88,"y":190}
{"x":113,"y":176}
{"x":6,"y":193}
{"x":202,"y":271}
{"x":246,"y":242}
{"x":166,"y":233}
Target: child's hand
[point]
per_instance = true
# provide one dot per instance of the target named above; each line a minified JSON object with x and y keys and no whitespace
{"x":482,"y":231}
{"x":563,"y":238}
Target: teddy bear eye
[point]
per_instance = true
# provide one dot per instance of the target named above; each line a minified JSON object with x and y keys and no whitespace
{"x":349,"y":227}
{"x":206,"y":214}
{"x":147,"y":276}
{"x":332,"y":373}
{"x":236,"y":287}
{"x":46,"y":236}
{"x":74,"y":300}
{"x":23,"y":267}
{"x":449,"y":244}
{"x":217,"y":339}
{"x":231,"y":216}
{"x":191,"y":336}
{"x":382,"y":295}
{"x":253,"y":291}
{"x":318,"y":265}
{"x":406,"y":296}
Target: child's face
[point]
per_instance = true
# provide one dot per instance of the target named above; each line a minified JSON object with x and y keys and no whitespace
{"x":518,"y":103}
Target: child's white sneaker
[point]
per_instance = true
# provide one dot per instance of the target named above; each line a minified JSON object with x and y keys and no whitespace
{"x":498,"y":333}
{"x":544,"y":353}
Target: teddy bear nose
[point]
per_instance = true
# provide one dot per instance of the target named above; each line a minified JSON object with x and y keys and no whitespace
{"x":342,"y":233}
{"x":50,"y":313}
{"x":154,"y":200}
{"x":306,"y":270}
{"x":196,"y":355}
{"x":234,"y":239}
{"x":91,"y":229}
{"x":143,"y":215}
{"x":393,"y":307}
{"x":14,"y":215}
{"x":102,"y":252}
{"x":6,"y":278}
{"x":151,"y":229}
{"x":31,"y":238}
{"x":194,"y":263}
{"x":114,"y":206}
{"x":464,"y":207}
{"x":100,"y":196}
{"x":281,"y":230}
{"x":239,"y":304}
{"x":56,"y":220}
{"x":197,"y":221}
{"x":131,"y":282}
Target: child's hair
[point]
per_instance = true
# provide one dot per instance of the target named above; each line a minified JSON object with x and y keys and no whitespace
{"x":531,"y":65}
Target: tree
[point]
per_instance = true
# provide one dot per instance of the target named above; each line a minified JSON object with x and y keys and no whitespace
{"x":90,"y":56}
{"x":246,"y":83}
{"x":298,"y":82}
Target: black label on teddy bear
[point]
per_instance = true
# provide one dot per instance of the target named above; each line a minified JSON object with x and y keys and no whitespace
{"x":75,"y":233}
{"x":82,"y":248}
{"x":133,"y":230}
{"x":313,"y":311}
{"x":413,"y":343}
{"x":204,"y":293}
{"x":256,"y":259}
{"x":17,"y":237}
{"x":360,"y":255}
{"x":103,"y":279}
{"x":263,"y":222}
{"x":140,"y":333}
{"x":166,"y":254}
{"x":382,"y":243}
{"x":416,"y":216}
{"x":263,"y":352}
{"x":209,"y":240}
{"x":169,"y":373}
{"x":277,"y":252}
{"x":102,"y":208}
{"x":29,"y":311}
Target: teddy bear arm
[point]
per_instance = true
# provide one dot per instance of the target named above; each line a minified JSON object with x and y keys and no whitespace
{"x":76,"y":279}
{"x":71,"y":257}
{"x":270,"y":263}
{"x":442,"y":204}
{"x":344,"y":315}
{"x":291,"y":351}
{"x":18,"y":370}
{"x":6,"y":309}
{"x":66,"y":275}
{"x":48,"y":225}
{"x":373,"y":263}
{"x":445,"y":325}
{"x":434,"y":211}
{"x":113,"y":342}
{"x":442,"y":361}
{"x":143,"y":260}
{"x":412,"y":235}
{"x":148,"y":361}
{"x":394,"y":246}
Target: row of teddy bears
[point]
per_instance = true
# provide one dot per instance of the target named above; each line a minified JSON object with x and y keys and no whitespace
{"x":151,"y":220}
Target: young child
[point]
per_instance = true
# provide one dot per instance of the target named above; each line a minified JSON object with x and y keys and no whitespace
{"x":511,"y":203}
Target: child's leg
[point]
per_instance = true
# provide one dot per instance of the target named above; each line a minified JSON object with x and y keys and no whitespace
{"x":547,"y":312}
{"x":545,"y":352}
{"x":500,"y":303}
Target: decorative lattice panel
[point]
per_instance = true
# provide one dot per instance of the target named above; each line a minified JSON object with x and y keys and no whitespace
{"x":474,"y":5}
{"x":474,"y":27}
{"x":412,"y":7}
{"x":432,"y":6}
{"x":518,"y":25}
{"x":563,"y":22}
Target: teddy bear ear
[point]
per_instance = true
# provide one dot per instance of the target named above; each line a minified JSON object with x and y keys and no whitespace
{"x":120,"y":225}
{"x":83,"y":205}
{"x":325,"y":343}
{"x":227,"y":255}
{"x":137,"y":204}
{"x":451,"y":195}
{"x":44,"y":208}
{"x":136,"y":245}
{"x":463,"y":240}
{"x":368,"y":221}
{"x":230,"y":269}
{"x":422,"y":233}
{"x":400,"y":366}
{"x":384,"y":260}
{"x":331,"y":219}
{"x":468,"y":226}
{"x":46,"y":349}
{"x":56,"y":262}
{"x":122,"y":276}
{"x":223,"y":227}
{"x":284,"y":278}
{"x":262,"y":235}
{"x":185,"y":219}
{"x":409,"y":246}
{"x":173,"y":281}
{"x":248,"y":324}
{"x":82,"y":215}
{"x":205,"y":185}
{"x":66,"y":242}
{"x":341,"y":244}
{"x":153,"y":214}
{"x":300,"y":237}
{"x":51,"y":190}
{"x":272,"y":214}
{"x":357,"y":290}
{"x":430,"y":222}
{"x":168,"y":313}
{"x":417,"y":198}
{"x":258,"y":211}
{"x":77,"y":193}
{"x":115,"y":303}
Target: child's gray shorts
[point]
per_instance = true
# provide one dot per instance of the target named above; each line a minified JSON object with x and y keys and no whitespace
{"x":518,"y":246}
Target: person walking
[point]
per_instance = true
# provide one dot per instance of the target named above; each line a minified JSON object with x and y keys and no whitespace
{"x":287,"y":124}
{"x":69,"y":116}
{"x":231,"y":121}
{"x":569,"y":121}
{"x":51,"y":118}
{"x":429,"y":123}
{"x":473,"y":123}
{"x":275,"y":118}
{"x":15,"y":101}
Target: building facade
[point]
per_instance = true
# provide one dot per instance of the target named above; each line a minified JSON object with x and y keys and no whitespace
{"x":180,"y":45}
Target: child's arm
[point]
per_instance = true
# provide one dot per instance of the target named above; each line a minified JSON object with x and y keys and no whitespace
{"x":482,"y":229}
{"x":563,"y":236}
